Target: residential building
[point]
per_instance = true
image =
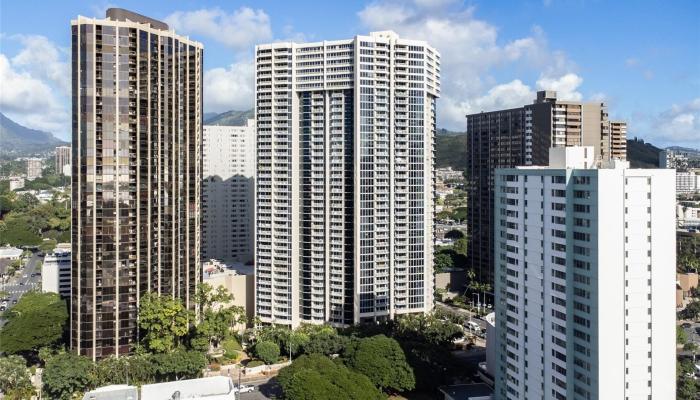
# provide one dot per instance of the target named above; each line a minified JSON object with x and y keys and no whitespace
{"x":238,"y":279}
{"x":56,"y":272}
{"x":585,"y":271}
{"x":345,"y":179}
{"x":523,"y":136}
{"x":672,"y":159}
{"x":34,"y":167}
{"x":688,"y":215}
{"x":688,"y":182}
{"x":16,"y":183}
{"x":62,"y":158}
{"x":136,"y":184}
{"x":228,"y":192}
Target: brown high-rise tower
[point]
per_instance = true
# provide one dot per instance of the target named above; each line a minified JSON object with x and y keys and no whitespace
{"x":523,"y":136}
{"x":136,"y":166}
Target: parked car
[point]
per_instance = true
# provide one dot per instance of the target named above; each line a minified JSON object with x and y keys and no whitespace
{"x":686,"y":325}
{"x":246,"y":388}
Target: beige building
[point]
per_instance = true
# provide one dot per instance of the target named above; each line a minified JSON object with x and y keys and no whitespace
{"x":62,"y":155}
{"x":238,"y":279}
{"x":137,"y":129}
{"x":228,"y":192}
{"x":684,"y":283}
{"x":34,"y":167}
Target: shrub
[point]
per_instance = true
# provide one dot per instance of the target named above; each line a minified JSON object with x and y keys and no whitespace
{"x":267,"y":351}
{"x":254,"y":363}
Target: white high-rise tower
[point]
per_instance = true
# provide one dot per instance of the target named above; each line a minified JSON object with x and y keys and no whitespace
{"x":584,"y":280}
{"x":344,"y":186}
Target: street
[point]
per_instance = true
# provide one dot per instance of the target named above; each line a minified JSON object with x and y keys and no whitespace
{"x":466,"y":313}
{"x":21,"y":283}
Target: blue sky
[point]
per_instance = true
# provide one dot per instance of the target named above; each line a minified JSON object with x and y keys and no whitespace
{"x":641,"y":57}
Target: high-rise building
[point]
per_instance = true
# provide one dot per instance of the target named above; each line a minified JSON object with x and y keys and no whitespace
{"x":34,"y":167}
{"x":228,"y":192}
{"x":618,"y":140}
{"x":523,"y":136}
{"x":62,"y":158}
{"x":584,"y":287}
{"x":344,"y":186}
{"x":136,"y":160}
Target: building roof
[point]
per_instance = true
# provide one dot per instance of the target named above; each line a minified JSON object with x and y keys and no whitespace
{"x":467,"y":391}
{"x":10,"y":252}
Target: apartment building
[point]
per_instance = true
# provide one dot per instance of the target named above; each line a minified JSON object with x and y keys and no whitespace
{"x":228,"y":192}
{"x":345,"y":180}
{"x":62,"y":159}
{"x":136,"y":183}
{"x":688,"y":182}
{"x":34,"y":167}
{"x":56,"y":271}
{"x":523,"y":136}
{"x":584,"y":280}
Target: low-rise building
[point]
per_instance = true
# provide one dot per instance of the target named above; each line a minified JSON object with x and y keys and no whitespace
{"x":688,"y":215}
{"x":56,"y":271}
{"x":687,"y":182}
{"x":685,"y":283}
{"x":210,"y":388}
{"x":473,"y":391}
{"x":10,"y":253}
{"x":16,"y":183}
{"x":238,"y":279}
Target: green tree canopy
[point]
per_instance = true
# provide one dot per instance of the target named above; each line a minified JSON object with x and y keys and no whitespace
{"x":443,"y":260}
{"x":67,"y":374}
{"x":37,"y":320}
{"x":315,"y":377}
{"x":15,"y":382}
{"x":179,"y":364}
{"x":164,"y":321}
{"x":217,"y":315}
{"x":383,"y":361}
{"x":267,"y":351}
{"x":455,"y":234}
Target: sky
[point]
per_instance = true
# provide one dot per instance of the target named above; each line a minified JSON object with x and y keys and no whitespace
{"x":640,"y":57}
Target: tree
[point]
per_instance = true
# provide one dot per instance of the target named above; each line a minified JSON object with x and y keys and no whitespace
{"x":455,"y":234}
{"x":267,"y":351}
{"x":179,"y":364}
{"x":134,"y":370}
{"x":164,"y":321}
{"x":681,"y":336}
{"x":429,"y":329}
{"x":15,"y":381}
{"x":692,"y":310}
{"x":315,"y":377}
{"x":37,"y":320}
{"x":460,"y":246}
{"x":383,"y":361}
{"x":217,"y":316}
{"x":67,"y":374}
{"x":443,"y":261}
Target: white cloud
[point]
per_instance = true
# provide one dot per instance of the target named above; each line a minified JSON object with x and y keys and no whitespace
{"x":679,"y":125}
{"x":229,"y":88}
{"x":45,"y":60}
{"x":472,"y":52}
{"x":632,"y":62}
{"x":565,"y":85}
{"x":240,"y":29}
{"x":32,"y":98}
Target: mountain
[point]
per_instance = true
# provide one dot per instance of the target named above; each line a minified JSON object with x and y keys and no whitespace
{"x":229,"y":118}
{"x":451,"y":149}
{"x":15,"y":138}
{"x":641,"y":154}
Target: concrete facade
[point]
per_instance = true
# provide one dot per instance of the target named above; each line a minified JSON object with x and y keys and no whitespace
{"x":579,"y":253}
{"x":228,"y":192}
{"x":345,"y":180}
